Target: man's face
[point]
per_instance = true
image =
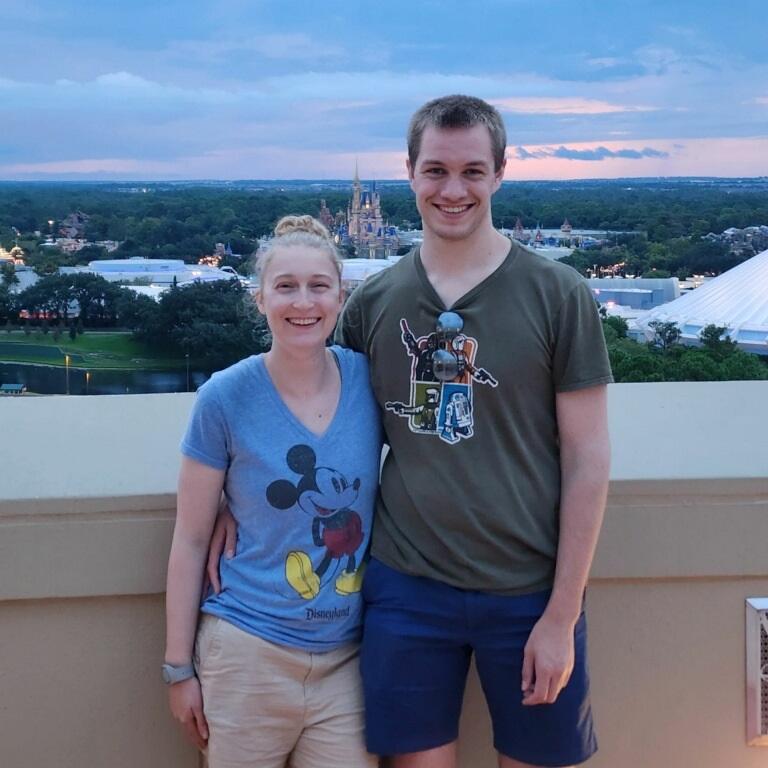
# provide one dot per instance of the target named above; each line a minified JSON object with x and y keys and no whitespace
{"x":453,"y":179}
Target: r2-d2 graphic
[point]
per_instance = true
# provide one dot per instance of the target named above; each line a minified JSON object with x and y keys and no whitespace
{"x":456,"y":417}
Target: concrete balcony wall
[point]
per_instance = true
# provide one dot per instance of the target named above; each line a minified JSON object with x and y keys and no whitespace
{"x":86,"y":512}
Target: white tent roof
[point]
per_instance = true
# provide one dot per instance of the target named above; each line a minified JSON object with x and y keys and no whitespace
{"x":737,"y":299}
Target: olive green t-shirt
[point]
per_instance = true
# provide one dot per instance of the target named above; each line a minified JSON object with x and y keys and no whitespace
{"x":470,"y":488}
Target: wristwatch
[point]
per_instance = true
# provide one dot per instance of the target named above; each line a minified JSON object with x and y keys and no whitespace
{"x":173,"y":674}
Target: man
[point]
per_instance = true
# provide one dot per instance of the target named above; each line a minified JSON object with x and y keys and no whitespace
{"x":490,"y":508}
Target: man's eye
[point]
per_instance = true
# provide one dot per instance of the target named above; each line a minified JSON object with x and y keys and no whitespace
{"x":434,"y":171}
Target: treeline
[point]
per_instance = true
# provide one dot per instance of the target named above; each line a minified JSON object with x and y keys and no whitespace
{"x":678,"y":257}
{"x":665,"y":359}
{"x":187,"y":222}
{"x":215,"y":324}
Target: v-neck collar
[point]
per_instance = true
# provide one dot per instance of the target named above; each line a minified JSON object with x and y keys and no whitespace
{"x":288,"y":415}
{"x":421,"y":272}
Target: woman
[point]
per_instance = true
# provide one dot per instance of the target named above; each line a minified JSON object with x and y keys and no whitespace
{"x":293,"y":439}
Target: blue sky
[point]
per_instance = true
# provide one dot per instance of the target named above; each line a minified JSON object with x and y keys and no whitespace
{"x":236,"y":89}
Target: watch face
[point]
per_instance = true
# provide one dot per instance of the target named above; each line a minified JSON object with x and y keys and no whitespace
{"x":166,"y":675}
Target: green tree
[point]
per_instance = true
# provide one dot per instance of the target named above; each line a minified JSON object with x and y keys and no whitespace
{"x":666,"y":334}
{"x":6,"y":304}
{"x":216,"y":323}
{"x":8,"y":276}
{"x":618,"y":326}
{"x":715,"y":339}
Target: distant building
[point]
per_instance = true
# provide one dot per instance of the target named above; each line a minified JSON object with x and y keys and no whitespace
{"x":356,"y":271}
{"x":745,"y":242}
{"x":364,"y":227}
{"x":73,"y":226}
{"x":638,"y":293}
{"x":15,"y":256}
{"x":563,"y":237}
{"x":735,"y":300}
{"x":326,"y":217}
{"x":163,"y":272}
{"x":73,"y":244}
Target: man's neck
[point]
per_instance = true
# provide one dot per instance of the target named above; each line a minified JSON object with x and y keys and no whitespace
{"x":454,"y":267}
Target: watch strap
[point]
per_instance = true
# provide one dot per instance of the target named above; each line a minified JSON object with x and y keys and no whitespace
{"x":172,"y":674}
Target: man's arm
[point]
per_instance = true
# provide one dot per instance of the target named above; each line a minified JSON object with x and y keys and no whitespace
{"x":584,"y":466}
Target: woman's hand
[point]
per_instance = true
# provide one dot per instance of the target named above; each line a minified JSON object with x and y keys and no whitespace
{"x":186,"y":701}
{"x":223,"y":542}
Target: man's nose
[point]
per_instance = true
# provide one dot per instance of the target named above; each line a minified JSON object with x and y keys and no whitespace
{"x":454,"y":188}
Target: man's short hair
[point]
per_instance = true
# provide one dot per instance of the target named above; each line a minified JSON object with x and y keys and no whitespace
{"x":458,"y":111}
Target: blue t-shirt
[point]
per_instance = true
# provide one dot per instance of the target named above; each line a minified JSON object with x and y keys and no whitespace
{"x":303,"y":503}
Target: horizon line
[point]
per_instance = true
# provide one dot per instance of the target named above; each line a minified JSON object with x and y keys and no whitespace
{"x":97,"y":180}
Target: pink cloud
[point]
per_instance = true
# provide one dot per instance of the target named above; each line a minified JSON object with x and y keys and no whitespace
{"x":684,"y":157}
{"x":536,"y":105}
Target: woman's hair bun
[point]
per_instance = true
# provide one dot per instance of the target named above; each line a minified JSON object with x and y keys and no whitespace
{"x":290,"y":224}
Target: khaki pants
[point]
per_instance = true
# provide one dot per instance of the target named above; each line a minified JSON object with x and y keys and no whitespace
{"x":270,"y":706}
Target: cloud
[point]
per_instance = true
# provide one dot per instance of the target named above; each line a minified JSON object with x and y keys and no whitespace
{"x":294,"y":46}
{"x":605,"y":61}
{"x":121,"y":90}
{"x":564,"y":106}
{"x":590,"y":155}
{"x":278,"y":47}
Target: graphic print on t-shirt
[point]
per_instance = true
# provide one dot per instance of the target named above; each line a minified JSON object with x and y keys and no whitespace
{"x":442,"y":372}
{"x":327,"y":496}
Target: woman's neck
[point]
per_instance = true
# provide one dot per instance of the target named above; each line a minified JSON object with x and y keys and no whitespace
{"x":300,"y":374}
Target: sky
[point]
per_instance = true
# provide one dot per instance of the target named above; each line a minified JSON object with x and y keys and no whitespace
{"x":269,"y":89}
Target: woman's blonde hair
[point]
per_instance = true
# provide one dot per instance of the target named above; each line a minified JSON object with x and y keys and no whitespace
{"x":298,"y":230}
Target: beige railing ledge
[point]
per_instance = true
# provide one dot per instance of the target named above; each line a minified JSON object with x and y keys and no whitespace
{"x":87,"y":490}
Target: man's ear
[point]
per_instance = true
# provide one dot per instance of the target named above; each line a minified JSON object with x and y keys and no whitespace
{"x":409,"y":168}
{"x":500,"y":174}
{"x":259,"y":302}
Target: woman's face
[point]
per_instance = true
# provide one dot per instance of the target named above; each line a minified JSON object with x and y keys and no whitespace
{"x":300,"y":296}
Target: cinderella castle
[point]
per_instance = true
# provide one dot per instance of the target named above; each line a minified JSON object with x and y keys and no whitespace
{"x":362,"y":227}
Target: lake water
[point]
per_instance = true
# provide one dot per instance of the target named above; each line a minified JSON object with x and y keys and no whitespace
{"x":48,"y":380}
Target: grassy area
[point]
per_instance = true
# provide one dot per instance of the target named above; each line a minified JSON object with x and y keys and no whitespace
{"x":93,"y":349}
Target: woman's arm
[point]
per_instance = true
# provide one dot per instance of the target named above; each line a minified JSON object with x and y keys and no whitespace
{"x":198,"y":500}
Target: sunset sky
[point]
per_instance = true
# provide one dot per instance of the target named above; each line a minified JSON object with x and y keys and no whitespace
{"x":260,"y":89}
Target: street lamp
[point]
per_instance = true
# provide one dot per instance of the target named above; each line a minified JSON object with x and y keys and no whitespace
{"x":87,"y":381}
{"x":186,"y":354}
{"x":66,"y":365}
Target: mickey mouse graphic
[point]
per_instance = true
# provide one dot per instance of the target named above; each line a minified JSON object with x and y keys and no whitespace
{"x":327,"y":495}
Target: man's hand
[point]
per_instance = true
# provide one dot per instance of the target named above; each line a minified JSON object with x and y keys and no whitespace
{"x":186,"y":700}
{"x":223,"y":542}
{"x":547,"y":660}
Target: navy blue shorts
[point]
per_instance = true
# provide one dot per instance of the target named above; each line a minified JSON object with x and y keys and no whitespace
{"x":418,"y":640}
